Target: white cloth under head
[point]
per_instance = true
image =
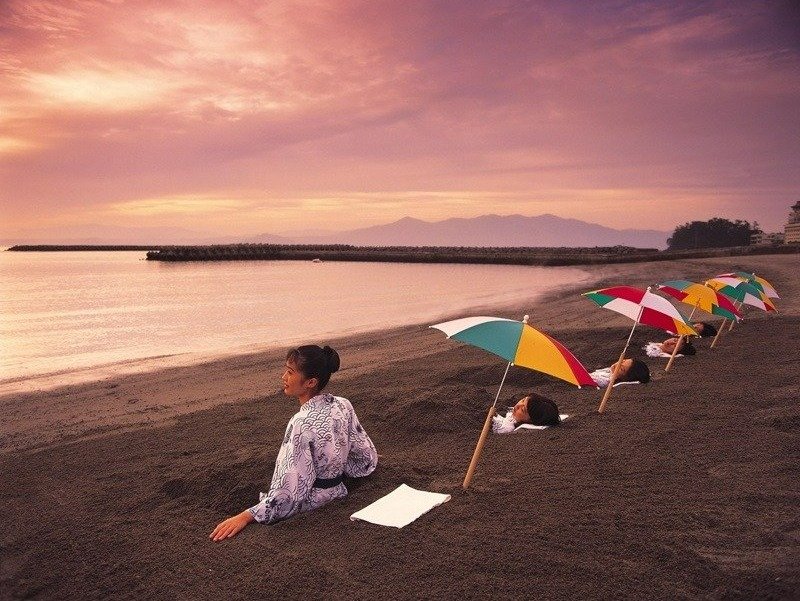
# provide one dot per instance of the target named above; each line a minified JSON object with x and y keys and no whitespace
{"x":505,"y":424}
{"x":603,"y":376}
{"x":653,"y":349}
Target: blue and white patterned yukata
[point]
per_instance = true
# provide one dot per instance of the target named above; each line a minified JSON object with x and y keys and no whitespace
{"x":324,"y":441}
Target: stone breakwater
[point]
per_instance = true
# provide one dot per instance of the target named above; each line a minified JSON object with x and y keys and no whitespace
{"x":404,"y":254}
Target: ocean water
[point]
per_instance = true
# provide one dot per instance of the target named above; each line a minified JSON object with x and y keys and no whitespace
{"x":63,"y":312}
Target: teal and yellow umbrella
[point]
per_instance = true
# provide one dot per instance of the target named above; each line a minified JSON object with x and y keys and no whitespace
{"x":702,"y":297}
{"x":520,"y":344}
{"x":743,"y":292}
{"x":754,"y":280}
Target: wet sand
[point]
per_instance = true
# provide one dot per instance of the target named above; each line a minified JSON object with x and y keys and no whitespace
{"x":686,"y":487}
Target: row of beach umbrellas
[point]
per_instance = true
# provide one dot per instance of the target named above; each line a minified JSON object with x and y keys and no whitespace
{"x":520,"y":344}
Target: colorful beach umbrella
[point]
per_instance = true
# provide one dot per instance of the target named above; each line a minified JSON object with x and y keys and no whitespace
{"x":699,"y":296}
{"x":702,"y":297}
{"x":519,"y":344}
{"x":759,"y":282}
{"x":642,"y":306}
{"x":742,"y":292}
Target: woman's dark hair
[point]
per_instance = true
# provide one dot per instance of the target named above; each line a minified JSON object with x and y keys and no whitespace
{"x":687,"y":349}
{"x":708,"y":330}
{"x":542,"y":411}
{"x":639,"y":372}
{"x":315,"y":362}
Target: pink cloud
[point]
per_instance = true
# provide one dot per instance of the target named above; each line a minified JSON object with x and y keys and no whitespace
{"x":107,"y":102}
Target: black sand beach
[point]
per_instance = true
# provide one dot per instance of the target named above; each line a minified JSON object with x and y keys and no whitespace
{"x":686,"y":487}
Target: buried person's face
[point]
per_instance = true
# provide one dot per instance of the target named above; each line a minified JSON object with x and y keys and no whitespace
{"x":520,"y":411}
{"x":670,"y":343}
{"x":624,"y":368}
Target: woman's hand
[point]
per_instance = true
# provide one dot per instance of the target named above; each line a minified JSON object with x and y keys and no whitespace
{"x":231,"y":527}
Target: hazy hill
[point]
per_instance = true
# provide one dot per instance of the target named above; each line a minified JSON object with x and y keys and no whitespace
{"x":493,"y":230}
{"x":487,"y":230}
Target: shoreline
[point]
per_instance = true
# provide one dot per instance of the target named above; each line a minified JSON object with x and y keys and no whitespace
{"x":686,"y":487}
{"x":142,"y":398}
{"x":47,"y":381}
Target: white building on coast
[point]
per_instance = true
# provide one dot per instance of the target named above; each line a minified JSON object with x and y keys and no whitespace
{"x":792,"y":228}
{"x":763,"y":239}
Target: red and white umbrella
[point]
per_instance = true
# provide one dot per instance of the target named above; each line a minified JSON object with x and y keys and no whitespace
{"x":642,"y":306}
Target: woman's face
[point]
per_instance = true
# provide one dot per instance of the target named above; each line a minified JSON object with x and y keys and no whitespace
{"x":294,"y":382}
{"x":624,"y":368}
{"x":520,"y":411}
{"x":670,"y":343}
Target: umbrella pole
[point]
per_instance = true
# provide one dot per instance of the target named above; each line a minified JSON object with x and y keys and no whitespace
{"x":674,"y":353}
{"x":730,"y":327}
{"x":484,"y":433}
{"x":680,"y":339}
{"x":614,"y":372}
{"x":722,"y":327}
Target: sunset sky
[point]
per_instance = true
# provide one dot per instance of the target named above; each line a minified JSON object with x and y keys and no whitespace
{"x":240,"y":117}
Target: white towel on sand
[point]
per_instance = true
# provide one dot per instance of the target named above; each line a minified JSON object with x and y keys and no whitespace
{"x":400,"y":507}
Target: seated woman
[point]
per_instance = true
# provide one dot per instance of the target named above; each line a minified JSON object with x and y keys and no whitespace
{"x":533,"y":409}
{"x":705,"y":329}
{"x":631,"y":370}
{"x":324,"y":441}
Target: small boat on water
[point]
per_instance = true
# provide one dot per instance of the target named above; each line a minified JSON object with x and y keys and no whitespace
{"x":316,"y":260}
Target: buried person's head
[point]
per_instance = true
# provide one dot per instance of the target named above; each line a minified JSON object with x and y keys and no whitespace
{"x":705,"y":329}
{"x":638,"y":372}
{"x":537,"y":410}
{"x":632,"y":370}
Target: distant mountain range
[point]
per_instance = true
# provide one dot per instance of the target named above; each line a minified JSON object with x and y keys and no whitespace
{"x":487,"y":230}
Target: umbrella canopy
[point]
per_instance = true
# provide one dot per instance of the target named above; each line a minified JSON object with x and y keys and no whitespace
{"x":642,"y":306}
{"x":741,"y":291}
{"x":519,"y":344}
{"x":752,"y":279}
{"x":703,"y":297}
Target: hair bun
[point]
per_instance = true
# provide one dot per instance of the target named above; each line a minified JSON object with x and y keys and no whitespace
{"x":331,"y":358}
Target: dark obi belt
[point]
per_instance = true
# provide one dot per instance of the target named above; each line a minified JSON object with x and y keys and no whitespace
{"x":328,"y":482}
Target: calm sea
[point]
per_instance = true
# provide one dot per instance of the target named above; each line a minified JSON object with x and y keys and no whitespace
{"x":68,"y":312}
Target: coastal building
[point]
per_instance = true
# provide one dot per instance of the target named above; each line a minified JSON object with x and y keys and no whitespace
{"x":764,"y":239}
{"x":792,"y":228}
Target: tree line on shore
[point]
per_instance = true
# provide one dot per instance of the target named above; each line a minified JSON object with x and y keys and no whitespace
{"x":714,"y":233}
